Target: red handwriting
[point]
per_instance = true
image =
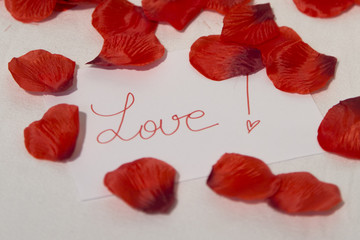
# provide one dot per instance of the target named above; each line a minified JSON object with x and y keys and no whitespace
{"x":249,"y":125}
{"x":150,"y":127}
{"x":247,"y":94}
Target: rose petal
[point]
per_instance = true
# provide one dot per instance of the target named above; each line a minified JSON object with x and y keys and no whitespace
{"x":297,"y":68}
{"x":120,"y":16}
{"x":249,"y":24}
{"x":223,"y":6}
{"x":219,"y":60}
{"x":179,"y":13}
{"x":54,"y":136}
{"x":301,"y":192}
{"x":285,"y":37}
{"x":323,"y":8}
{"x":339,"y":131}
{"x":30,"y":10}
{"x":242,"y":177}
{"x":129,"y":50}
{"x":41,"y":71}
{"x":146,"y":184}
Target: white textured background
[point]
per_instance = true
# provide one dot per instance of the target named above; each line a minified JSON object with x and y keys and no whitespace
{"x":38,"y":198}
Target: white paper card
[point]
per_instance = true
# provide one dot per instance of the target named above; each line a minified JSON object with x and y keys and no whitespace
{"x":173,"y":113}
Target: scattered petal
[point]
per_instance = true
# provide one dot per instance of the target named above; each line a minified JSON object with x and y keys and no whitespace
{"x":146,"y":184}
{"x":129,"y":50}
{"x":30,"y":10}
{"x":323,"y":8}
{"x":301,"y":192}
{"x":339,"y":131}
{"x":120,"y":16}
{"x":129,"y":37}
{"x":242,"y":177}
{"x":223,"y":6}
{"x":285,"y":37}
{"x":250,"y":24}
{"x":219,"y":60}
{"x":179,"y":13}
{"x":297,"y":68}
{"x":54,"y":136}
{"x":41,"y":71}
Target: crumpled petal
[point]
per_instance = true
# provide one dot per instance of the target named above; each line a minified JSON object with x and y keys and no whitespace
{"x":339,"y":131}
{"x":146,"y":184}
{"x":30,"y":10}
{"x":129,"y":50}
{"x":286,"y":36}
{"x":178,"y":13}
{"x":297,"y":68}
{"x":301,"y":192}
{"x":219,"y":60}
{"x":54,"y":136}
{"x":250,"y":24}
{"x":323,"y":8}
{"x":223,"y":6}
{"x":129,"y":37}
{"x":242,"y":177}
{"x":120,"y":16}
{"x":42,"y":71}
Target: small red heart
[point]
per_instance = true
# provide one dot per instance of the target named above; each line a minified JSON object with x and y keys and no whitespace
{"x":251,"y":125}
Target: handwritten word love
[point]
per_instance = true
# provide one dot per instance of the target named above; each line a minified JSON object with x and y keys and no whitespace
{"x":149,"y":128}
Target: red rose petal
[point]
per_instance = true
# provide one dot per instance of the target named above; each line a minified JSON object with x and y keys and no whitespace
{"x":250,"y":24}
{"x":54,"y":136}
{"x":146,"y":184}
{"x":285,"y":37}
{"x":323,"y":8}
{"x":129,"y":50}
{"x":30,"y":10}
{"x":223,"y":6}
{"x":41,"y":71}
{"x":301,"y":192}
{"x":120,"y":16}
{"x":178,"y":13}
{"x":242,"y":177}
{"x":339,"y":131}
{"x":219,"y":60}
{"x":129,"y":37}
{"x":297,"y":68}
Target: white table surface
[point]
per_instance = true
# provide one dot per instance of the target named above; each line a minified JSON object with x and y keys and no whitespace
{"x":38,"y":199}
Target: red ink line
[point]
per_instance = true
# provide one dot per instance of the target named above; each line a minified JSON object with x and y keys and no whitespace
{"x":149,"y":128}
{"x":7,"y":28}
{"x":251,"y":125}
{"x":247,"y":93}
